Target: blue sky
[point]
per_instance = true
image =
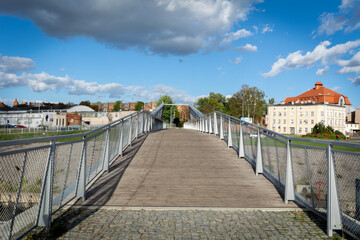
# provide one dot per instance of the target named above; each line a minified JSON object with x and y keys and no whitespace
{"x":133,"y":50}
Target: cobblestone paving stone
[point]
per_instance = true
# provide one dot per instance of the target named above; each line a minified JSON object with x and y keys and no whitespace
{"x":90,"y":223}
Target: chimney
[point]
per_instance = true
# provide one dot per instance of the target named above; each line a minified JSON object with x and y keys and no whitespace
{"x":318,"y":85}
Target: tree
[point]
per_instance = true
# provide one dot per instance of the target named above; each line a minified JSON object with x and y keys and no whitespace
{"x":139,"y":106}
{"x":248,"y":102}
{"x":271,"y":101}
{"x":215,"y":102}
{"x":85,"y":103}
{"x":117,"y":106}
{"x":168,"y":111}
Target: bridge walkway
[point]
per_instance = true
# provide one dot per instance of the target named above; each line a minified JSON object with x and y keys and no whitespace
{"x":183,"y":168}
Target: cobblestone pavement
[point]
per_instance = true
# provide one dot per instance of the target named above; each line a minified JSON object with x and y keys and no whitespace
{"x":91,"y":223}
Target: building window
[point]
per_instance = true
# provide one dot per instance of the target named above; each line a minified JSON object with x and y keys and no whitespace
{"x":273,"y":128}
{"x":312,"y":114}
{"x":322,"y":113}
{"x":292,"y":121}
{"x":279,"y":121}
{"x":284,"y":114}
{"x":305,"y":121}
{"x":274,"y":121}
{"x":300,"y":121}
{"x":300,"y":114}
{"x":306,"y":130}
{"x":312,"y":121}
{"x":284,"y":121}
{"x":291,"y":113}
{"x":274,"y":114}
{"x":279,"y":114}
{"x":284,"y":129}
{"x":306,"y":114}
{"x":300,"y":129}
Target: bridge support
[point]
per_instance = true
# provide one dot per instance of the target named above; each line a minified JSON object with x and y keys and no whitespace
{"x":221,"y":128}
{"x":81,"y":181}
{"x":229,"y":134}
{"x":333,"y":203}
{"x":241,"y":143}
{"x":210,"y":126}
{"x":259,"y":161}
{"x":289,"y":178}
{"x":216,"y":131}
{"x":45,"y":209}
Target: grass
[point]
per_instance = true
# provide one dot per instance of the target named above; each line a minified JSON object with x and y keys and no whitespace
{"x":7,"y":137}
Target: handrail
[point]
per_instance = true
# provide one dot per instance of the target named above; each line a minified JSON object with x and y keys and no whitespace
{"x":296,"y":169}
{"x":48,"y":179}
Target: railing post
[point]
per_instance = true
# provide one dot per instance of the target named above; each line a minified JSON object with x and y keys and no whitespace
{"x":137,"y":126}
{"x":107,"y":149}
{"x":120,"y":150}
{"x":81,"y":181}
{"x":203,"y":124}
{"x":130,"y":131}
{"x":143,"y":122}
{"x":229,"y":134}
{"x":289,"y":178}
{"x":210,"y":126}
{"x":333,"y":204}
{"x":241,"y":143}
{"x":259,"y":161}
{"x":216,"y":132}
{"x":45,"y":208}
{"x":221,"y":128}
{"x":206,"y":124}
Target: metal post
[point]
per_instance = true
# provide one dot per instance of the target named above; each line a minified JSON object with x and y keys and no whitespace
{"x":203,"y":124}
{"x":81,"y":181}
{"x":215,"y":125}
{"x":289,"y":178}
{"x":241,"y":143}
{"x":259,"y":161}
{"x":143,"y":122}
{"x":221,"y":128}
{"x":210,"y":126}
{"x":130,"y":131}
{"x":333,"y":203}
{"x":45,"y":209}
{"x":120,"y":149}
{"x":229,"y":134}
{"x":137,"y":126}
{"x":107,"y":148}
{"x":357,"y":199}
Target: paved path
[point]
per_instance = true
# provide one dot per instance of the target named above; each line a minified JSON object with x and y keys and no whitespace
{"x":92,"y":223}
{"x":184,"y":168}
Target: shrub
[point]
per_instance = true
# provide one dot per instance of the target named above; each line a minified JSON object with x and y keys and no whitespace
{"x":317,"y":135}
{"x":326,"y":135}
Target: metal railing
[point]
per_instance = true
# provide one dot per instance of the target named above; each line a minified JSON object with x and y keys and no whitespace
{"x":38,"y":178}
{"x":316,"y":174}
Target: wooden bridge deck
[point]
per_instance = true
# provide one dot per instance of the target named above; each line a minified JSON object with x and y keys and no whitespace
{"x":182,"y":168}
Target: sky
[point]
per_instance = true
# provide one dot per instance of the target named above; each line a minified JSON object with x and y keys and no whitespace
{"x":137,"y":50}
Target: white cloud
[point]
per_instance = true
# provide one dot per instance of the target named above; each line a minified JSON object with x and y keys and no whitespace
{"x":322,"y":71}
{"x":15,"y":64}
{"x":237,"y":60}
{"x":350,"y":66}
{"x":267,"y":28}
{"x":347,"y":18}
{"x":247,"y":48}
{"x":355,"y":80}
{"x":336,"y":88}
{"x":320,"y":53}
{"x":153,"y":26}
{"x":242,"y":33}
{"x":6,"y":101}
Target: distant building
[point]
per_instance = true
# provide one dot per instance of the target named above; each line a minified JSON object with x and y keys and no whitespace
{"x":298,"y":115}
{"x":150,"y":106}
{"x":15,"y":103}
{"x":184,"y":112}
{"x":353,"y":123}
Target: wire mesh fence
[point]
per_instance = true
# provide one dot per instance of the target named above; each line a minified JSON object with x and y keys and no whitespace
{"x":300,"y":168}
{"x":38,"y":178}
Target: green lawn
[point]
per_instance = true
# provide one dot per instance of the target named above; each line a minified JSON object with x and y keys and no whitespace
{"x":7,"y":137}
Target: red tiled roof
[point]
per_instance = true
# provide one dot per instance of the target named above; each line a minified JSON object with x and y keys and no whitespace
{"x":318,"y":94}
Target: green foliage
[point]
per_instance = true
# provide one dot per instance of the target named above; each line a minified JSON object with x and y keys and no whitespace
{"x":271,"y":101}
{"x":319,"y":129}
{"x":215,"y":102}
{"x":169,"y":111}
{"x":117,"y":106}
{"x":337,"y":132}
{"x":139,"y":106}
{"x":248,"y":102}
{"x":94,"y":106}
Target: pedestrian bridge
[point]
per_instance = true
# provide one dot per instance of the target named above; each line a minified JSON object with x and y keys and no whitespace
{"x":215,"y":162}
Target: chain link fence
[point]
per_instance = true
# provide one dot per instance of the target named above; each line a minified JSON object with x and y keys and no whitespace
{"x":38,"y":178}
